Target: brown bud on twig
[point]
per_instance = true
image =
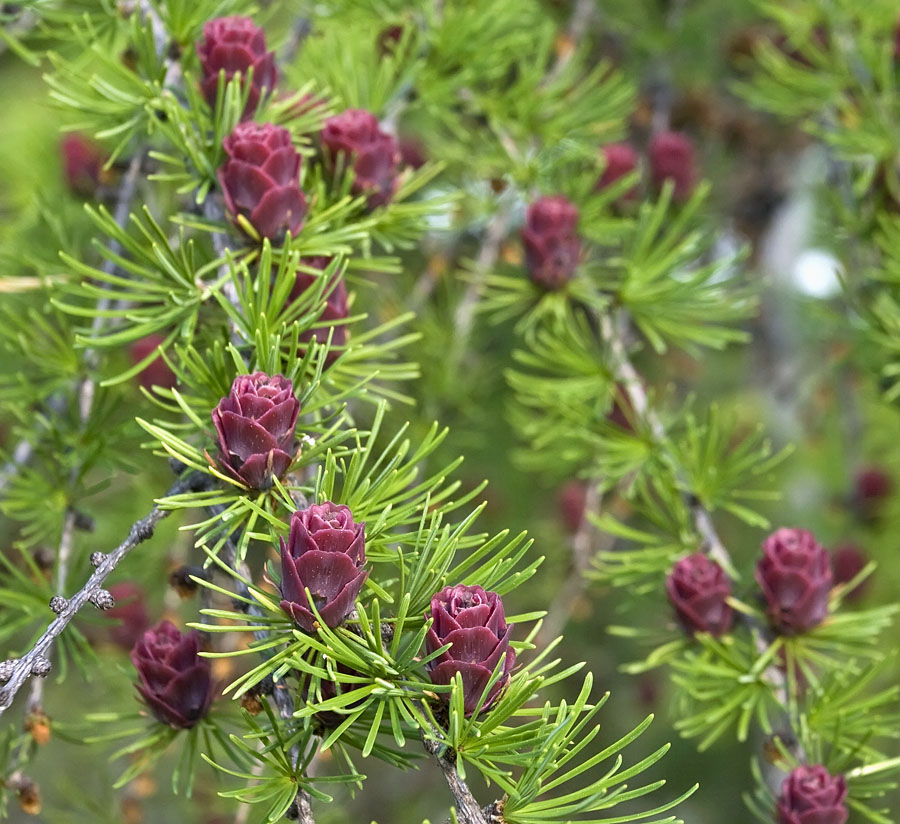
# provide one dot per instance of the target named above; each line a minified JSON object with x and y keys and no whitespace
{"x":83,"y":521}
{"x":37,"y":723}
{"x":181,"y":579}
{"x":250,"y":702}
{"x":102,"y":599}
{"x":58,"y":604}
{"x":44,"y":558}
{"x":41,"y":667}
{"x":26,"y":791}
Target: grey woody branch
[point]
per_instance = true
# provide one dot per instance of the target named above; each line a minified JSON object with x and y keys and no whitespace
{"x":301,"y":809}
{"x":468,"y":810}
{"x":14,"y":673}
{"x":627,"y":376}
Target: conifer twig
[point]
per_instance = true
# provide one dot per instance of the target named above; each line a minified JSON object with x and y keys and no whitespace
{"x":712,"y":545}
{"x":627,"y":376}
{"x":583,"y":551}
{"x":20,"y":456}
{"x":468,"y":810}
{"x":35,"y":662}
{"x":487,"y":257}
{"x":281,"y":695}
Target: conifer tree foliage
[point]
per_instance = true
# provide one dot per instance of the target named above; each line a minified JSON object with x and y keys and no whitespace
{"x":761,"y":646}
{"x":246,"y":563}
{"x":199,"y":342}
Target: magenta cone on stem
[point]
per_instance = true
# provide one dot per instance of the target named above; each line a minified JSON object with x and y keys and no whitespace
{"x":847,"y":561}
{"x":373,"y":153}
{"x":175,"y":682}
{"x":129,"y":613}
{"x":571,"y":501}
{"x":672,"y":158}
{"x":255,"y":424}
{"x":336,"y":308}
{"x":325,"y":552}
{"x":83,"y":162}
{"x":157,"y":372}
{"x":811,"y":795}
{"x":472,"y":621}
{"x":236,"y":44}
{"x":260,"y":179}
{"x":621,"y":159}
{"x":795,"y":576}
{"x":872,"y":485}
{"x":697,"y":588}
{"x":552,"y":245}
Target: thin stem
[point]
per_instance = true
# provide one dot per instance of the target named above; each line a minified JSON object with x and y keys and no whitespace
{"x":627,"y":376}
{"x":586,"y":543}
{"x":487,"y":257}
{"x":468,"y":810}
{"x":16,"y":672}
{"x":281,"y":695}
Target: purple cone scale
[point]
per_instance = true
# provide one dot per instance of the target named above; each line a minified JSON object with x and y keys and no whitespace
{"x":335,"y":311}
{"x":672,"y":158}
{"x":356,"y":134}
{"x":620,"y":159}
{"x":811,"y":795}
{"x":255,"y":425}
{"x":325,"y":553}
{"x":472,"y":621}
{"x":236,"y":44}
{"x":795,"y":576}
{"x":552,"y":245}
{"x":260,"y":179}
{"x":698,"y":588}
{"x":175,"y":682}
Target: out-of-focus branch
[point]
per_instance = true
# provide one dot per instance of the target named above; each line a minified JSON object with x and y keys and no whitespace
{"x":487,"y":257}
{"x":586,"y":543}
{"x":627,"y":376}
{"x":301,"y":809}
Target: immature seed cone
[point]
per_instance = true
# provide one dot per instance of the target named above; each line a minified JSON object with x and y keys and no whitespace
{"x":157,"y":372}
{"x":621,"y":159}
{"x":672,"y":158}
{"x":260,"y":179}
{"x":325,"y":552}
{"x":795,"y":576}
{"x":811,"y":795}
{"x":175,"y":682}
{"x":472,"y":620}
{"x":847,"y":561}
{"x":872,"y":486}
{"x":571,"y":501}
{"x":698,"y":588}
{"x":356,"y":134}
{"x":336,"y":308}
{"x":552,"y":245}
{"x":255,"y":424}
{"x":83,"y":162}
{"x":130,"y":613}
{"x":236,"y":44}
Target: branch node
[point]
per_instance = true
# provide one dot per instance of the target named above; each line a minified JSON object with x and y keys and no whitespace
{"x":58,"y":603}
{"x":103,"y":599}
{"x":143,"y":531}
{"x":41,"y":666}
{"x":6,"y":669}
{"x":97,"y":558}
